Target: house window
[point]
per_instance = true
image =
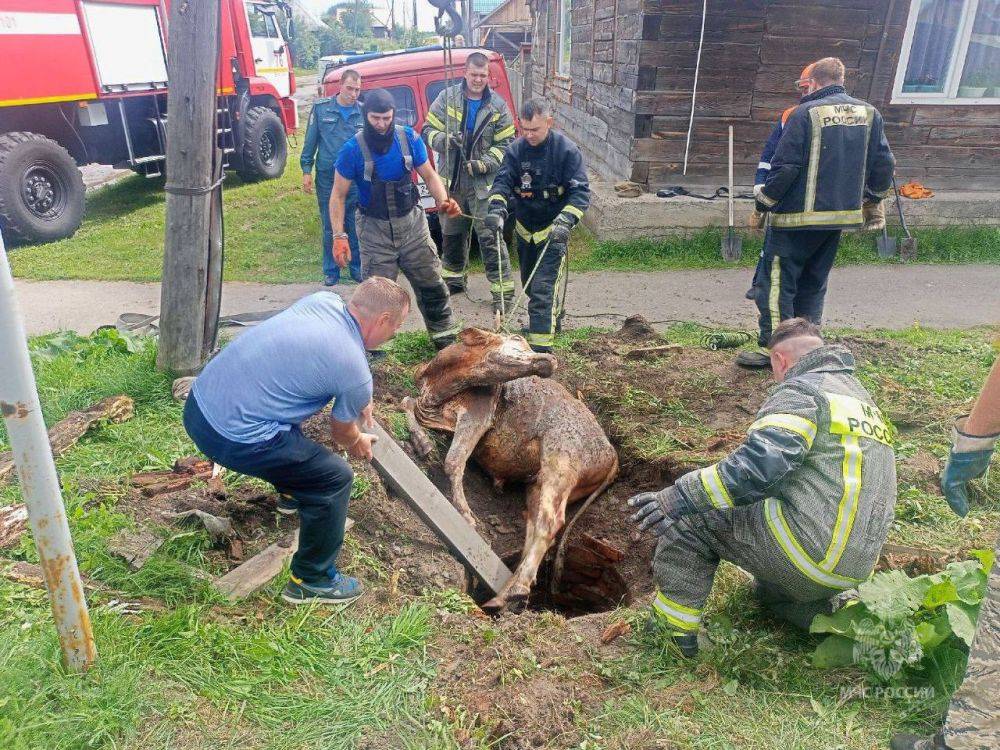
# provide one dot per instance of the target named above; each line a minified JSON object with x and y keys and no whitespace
{"x":564,"y":38}
{"x":950,"y":53}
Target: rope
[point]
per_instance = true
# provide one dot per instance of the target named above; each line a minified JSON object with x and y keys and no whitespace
{"x":694,"y":88}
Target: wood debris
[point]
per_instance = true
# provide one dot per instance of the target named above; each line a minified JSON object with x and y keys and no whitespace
{"x":135,"y":547}
{"x":186,"y":472}
{"x":647,"y":352}
{"x":13,"y":522}
{"x":614,"y":631}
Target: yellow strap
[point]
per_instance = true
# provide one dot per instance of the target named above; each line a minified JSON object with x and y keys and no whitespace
{"x":848,"y":508}
{"x":791,"y":422}
{"x":714,"y":487}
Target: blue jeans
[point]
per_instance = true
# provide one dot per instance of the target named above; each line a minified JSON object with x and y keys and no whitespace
{"x":324,"y":187}
{"x":317,"y":478}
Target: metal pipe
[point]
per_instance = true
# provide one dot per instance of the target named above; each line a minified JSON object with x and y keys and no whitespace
{"x":36,"y":472}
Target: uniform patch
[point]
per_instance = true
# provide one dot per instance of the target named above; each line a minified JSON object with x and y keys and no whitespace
{"x":842,"y":114}
{"x":851,"y":416}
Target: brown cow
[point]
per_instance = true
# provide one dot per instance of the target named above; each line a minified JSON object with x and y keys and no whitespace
{"x":486,"y":389}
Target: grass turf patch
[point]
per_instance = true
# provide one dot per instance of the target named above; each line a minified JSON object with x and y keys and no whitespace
{"x":190,"y":672}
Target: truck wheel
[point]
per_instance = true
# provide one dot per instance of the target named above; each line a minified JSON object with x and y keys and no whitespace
{"x":41,"y":189}
{"x":264,"y":149}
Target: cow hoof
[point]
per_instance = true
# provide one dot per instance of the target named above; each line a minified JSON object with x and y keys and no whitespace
{"x":495,"y":606}
{"x":517,"y":603}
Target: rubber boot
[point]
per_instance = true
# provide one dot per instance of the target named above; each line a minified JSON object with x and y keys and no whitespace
{"x":754,"y":360}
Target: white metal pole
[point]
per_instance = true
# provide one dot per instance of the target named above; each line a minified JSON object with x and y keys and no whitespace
{"x":36,"y":472}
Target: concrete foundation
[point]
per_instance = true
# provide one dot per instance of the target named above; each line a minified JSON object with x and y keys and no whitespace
{"x":613,"y":218}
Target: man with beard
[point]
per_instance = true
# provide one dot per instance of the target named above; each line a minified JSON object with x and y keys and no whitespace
{"x":392,"y":227}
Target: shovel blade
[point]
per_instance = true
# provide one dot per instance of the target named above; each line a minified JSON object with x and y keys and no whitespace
{"x":732,"y":247}
{"x":886,"y":245}
{"x":908,"y":248}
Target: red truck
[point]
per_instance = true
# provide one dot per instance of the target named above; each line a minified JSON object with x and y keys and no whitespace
{"x":86,"y":83}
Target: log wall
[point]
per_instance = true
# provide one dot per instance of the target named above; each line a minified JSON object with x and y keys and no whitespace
{"x":630,"y":112}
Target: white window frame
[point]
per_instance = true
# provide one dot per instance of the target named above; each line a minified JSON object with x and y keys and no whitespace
{"x":949,"y":96}
{"x":565,"y":6}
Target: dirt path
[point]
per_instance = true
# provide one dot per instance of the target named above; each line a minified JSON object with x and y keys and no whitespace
{"x":859,"y":297}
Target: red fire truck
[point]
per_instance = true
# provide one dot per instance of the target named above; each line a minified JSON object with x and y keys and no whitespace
{"x":86,"y":82}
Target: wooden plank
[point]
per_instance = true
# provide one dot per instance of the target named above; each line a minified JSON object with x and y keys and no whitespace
{"x":407,"y":480}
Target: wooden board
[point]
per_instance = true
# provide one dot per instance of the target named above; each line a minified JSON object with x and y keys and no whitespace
{"x":260,"y":569}
{"x":407,"y":480}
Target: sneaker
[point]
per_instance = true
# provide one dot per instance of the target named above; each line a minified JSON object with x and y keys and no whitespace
{"x":341,"y":590}
{"x":287,"y":505}
{"x":754,"y":360}
{"x":331,"y":281}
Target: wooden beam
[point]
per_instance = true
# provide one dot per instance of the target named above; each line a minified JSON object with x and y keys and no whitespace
{"x":407,"y":480}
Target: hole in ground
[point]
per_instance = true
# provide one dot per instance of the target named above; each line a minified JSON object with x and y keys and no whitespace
{"x":590,"y":581}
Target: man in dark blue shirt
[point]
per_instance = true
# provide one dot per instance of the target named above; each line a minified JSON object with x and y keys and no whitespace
{"x":392,"y":227}
{"x":332,"y":123}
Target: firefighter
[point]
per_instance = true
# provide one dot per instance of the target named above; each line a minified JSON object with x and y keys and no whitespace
{"x":832,"y":168}
{"x":246,"y":408}
{"x":971,"y":722}
{"x":764,"y":166}
{"x":392,"y":226}
{"x":332,"y":122}
{"x":804,"y":504}
{"x":480,"y":130}
{"x":543,"y":173}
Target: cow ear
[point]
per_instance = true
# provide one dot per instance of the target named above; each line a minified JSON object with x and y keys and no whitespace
{"x":474,"y":337}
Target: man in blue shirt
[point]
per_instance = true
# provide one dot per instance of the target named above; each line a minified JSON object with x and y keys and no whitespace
{"x":331,"y":123}
{"x":392,"y":227}
{"x":245,"y":410}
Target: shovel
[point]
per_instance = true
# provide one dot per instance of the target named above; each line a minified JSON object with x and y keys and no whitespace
{"x":908,"y":247}
{"x":732,"y":245}
{"x":886,"y":245}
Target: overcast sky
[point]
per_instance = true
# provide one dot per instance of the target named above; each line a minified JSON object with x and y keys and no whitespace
{"x":425,"y":13}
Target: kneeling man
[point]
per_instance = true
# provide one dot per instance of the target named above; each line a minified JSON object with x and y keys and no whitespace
{"x":804,"y":504}
{"x":246,"y":407}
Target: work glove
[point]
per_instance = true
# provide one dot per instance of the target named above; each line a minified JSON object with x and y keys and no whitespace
{"x":559,"y":234}
{"x":969,"y":459}
{"x":494,"y":220}
{"x":341,"y":250}
{"x":476,"y":167}
{"x":450,"y":207}
{"x":455,"y":140}
{"x":756,"y":220}
{"x":873,"y":213}
{"x":760,"y":206}
{"x":657,"y":511}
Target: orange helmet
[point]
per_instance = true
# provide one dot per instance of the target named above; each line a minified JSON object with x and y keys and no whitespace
{"x":804,"y":77}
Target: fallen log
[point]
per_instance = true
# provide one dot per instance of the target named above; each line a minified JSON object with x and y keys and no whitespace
{"x":13,"y":522}
{"x":65,"y":433}
{"x":186,"y":472}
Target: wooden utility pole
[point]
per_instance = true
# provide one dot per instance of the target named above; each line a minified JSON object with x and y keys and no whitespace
{"x":192,"y":260}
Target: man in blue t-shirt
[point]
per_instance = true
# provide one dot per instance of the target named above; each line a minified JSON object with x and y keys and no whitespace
{"x":392,"y":226}
{"x":245,"y":410}
{"x":331,"y":123}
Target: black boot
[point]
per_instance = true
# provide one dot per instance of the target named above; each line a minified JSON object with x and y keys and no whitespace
{"x":916,"y":742}
{"x":688,"y":644}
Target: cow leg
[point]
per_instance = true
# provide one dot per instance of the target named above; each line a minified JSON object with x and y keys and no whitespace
{"x":418,"y":435}
{"x":471,"y":424}
{"x":546,"y":514}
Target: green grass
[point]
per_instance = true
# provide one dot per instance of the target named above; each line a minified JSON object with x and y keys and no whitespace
{"x":192,"y":672}
{"x":273,"y":236}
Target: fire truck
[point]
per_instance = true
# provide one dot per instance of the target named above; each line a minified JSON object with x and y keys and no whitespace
{"x":86,"y":83}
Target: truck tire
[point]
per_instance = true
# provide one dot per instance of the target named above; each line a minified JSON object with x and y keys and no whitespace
{"x":264,"y":149}
{"x":41,"y":189}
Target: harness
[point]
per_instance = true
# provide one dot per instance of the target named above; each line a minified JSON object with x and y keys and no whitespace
{"x":389,"y":198}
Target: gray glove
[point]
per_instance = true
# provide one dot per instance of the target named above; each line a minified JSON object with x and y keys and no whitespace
{"x":494,"y":220}
{"x":657,"y":511}
{"x":559,"y":235}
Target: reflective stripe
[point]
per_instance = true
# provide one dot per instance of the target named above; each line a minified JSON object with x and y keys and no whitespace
{"x":791,"y":422}
{"x":678,"y":615}
{"x":496,"y":116}
{"x":848,"y":509}
{"x":812,"y":173}
{"x":496,"y":153}
{"x":846,"y":218}
{"x":447,"y":273}
{"x":763,"y":165}
{"x":557,"y":293}
{"x":456,"y":113}
{"x":852,"y":416}
{"x":766,"y":199}
{"x":505,"y":133}
{"x":795,"y":553}
{"x":881,"y":193}
{"x":535,"y":237}
{"x":572,"y":211}
{"x":453,"y":331}
{"x":714,"y":487}
{"x":435,"y":121}
{"x":774,"y":296}
{"x":498,"y":199}
{"x":540,"y":339}
{"x":500,"y":287}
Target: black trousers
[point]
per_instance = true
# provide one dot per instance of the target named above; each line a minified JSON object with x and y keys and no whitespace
{"x":792,"y":283}
{"x":546,"y":290}
{"x":317,"y":478}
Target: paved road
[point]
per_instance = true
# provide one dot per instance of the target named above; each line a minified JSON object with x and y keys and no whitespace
{"x":860,"y":297}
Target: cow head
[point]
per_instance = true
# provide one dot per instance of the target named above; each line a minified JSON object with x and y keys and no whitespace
{"x":481,"y":358}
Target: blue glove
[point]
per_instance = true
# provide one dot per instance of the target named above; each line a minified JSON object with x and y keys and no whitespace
{"x":969,"y":459}
{"x":657,"y":511}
